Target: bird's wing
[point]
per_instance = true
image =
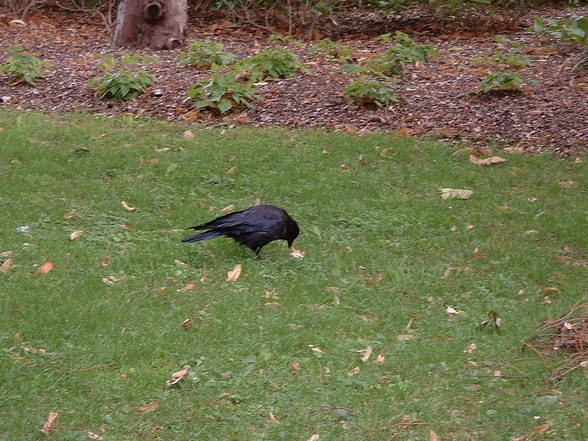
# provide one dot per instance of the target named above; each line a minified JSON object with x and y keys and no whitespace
{"x":240,"y":221}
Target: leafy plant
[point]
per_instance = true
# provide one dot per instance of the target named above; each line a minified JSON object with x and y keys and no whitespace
{"x":23,"y":66}
{"x":222,"y":92}
{"x":332,"y":49}
{"x":123,"y":84}
{"x":284,"y":39}
{"x":572,"y":29}
{"x":273,"y":62}
{"x":507,"y":80}
{"x":513,"y":58}
{"x":203,"y":54}
{"x":365,"y":91}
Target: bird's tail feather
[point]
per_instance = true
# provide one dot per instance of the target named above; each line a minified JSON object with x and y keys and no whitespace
{"x":202,"y":236}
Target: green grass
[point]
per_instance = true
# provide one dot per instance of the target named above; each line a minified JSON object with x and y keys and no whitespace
{"x":366,"y":206}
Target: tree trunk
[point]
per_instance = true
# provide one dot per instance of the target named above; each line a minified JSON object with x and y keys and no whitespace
{"x":156,"y":24}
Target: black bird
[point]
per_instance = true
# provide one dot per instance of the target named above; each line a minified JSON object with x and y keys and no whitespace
{"x":255,"y":227}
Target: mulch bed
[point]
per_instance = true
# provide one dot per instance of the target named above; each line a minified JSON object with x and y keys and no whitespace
{"x":551,"y":115}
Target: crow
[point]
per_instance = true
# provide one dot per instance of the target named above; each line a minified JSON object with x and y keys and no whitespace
{"x":254,"y":227}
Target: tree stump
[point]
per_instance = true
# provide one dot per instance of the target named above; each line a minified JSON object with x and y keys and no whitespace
{"x":156,"y":24}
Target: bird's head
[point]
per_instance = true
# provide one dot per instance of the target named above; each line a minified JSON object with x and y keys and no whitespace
{"x":292,"y":233}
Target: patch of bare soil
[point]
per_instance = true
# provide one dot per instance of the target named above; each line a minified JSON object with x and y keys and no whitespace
{"x":435,"y":98}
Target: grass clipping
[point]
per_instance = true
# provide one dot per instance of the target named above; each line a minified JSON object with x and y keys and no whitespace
{"x":569,"y":334}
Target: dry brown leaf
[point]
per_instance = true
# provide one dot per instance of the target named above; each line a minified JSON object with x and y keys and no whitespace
{"x":273,"y":305}
{"x":471,"y":348}
{"x":127,"y":206}
{"x":366,"y":353}
{"x":44,"y":269}
{"x":270,"y":294}
{"x":486,"y":161}
{"x":111,"y":280}
{"x":297,"y":254}
{"x":381,"y":358}
{"x":529,"y":232}
{"x":152,"y":161}
{"x":187,"y":324}
{"x":181,"y":264}
{"x":540,"y":429}
{"x":532,"y":199}
{"x":567,"y":184}
{"x":48,"y":426}
{"x":273,"y":419}
{"x":469,"y":227}
{"x":432,"y":436}
{"x":148,"y":407}
{"x":75,"y":235}
{"x":578,"y":160}
{"x":234,"y":273}
{"x":5,"y":266}
{"x":447,"y":193}
{"x":105,"y":261}
{"x":374,"y":280}
{"x":228,"y":209}
{"x":188,"y":134}
{"x":337,"y":301}
{"x":6,"y":254}
{"x":191,"y":286}
{"x":478,"y":254}
{"x":368,"y":318}
{"x":550,"y":290}
{"x":450,"y":310}
{"x":356,"y":370}
{"x":69,"y":215}
{"x":257,"y":201}
{"x":404,"y":337}
{"x":314,"y":437}
{"x":95,"y":436}
{"x":453,"y":228}
{"x":317,"y":350}
{"x":232,"y":170}
{"x":176,"y":377}
{"x":294,"y":367}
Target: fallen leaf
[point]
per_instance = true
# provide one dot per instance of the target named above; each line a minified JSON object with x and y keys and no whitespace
{"x":375,"y":279}
{"x":450,"y":310}
{"x":187,"y":324}
{"x":353,"y":371}
{"x":317,"y":350}
{"x":6,"y":254}
{"x":148,"y":407}
{"x":540,"y":429}
{"x":366,"y":353}
{"x":531,"y":199}
{"x":567,"y":184}
{"x":75,"y":235}
{"x":152,"y":161}
{"x":337,"y":301}
{"x":232,"y":170}
{"x":273,"y":419}
{"x":381,"y":358}
{"x":5,"y":266}
{"x":257,"y":201}
{"x":294,"y":367}
{"x":529,"y":232}
{"x":432,"y":436}
{"x":453,"y":228}
{"x":478,"y":254}
{"x":314,"y":437}
{"x":578,"y":160}
{"x":105,"y":261}
{"x":297,"y":254}
{"x":228,"y":209}
{"x":176,"y":377}
{"x":69,"y":215}
{"x":471,"y":348}
{"x":111,"y":280}
{"x":486,"y":161}
{"x":270,"y":294}
{"x":44,"y":269}
{"x":503,"y":207}
{"x":234,"y":273}
{"x":48,"y":426}
{"x":550,"y":290}
{"x":181,"y":264}
{"x":191,"y":286}
{"x":404,"y":337}
{"x":95,"y":436}
{"x":273,"y":305}
{"x":367,"y":318}
{"x":447,"y":193}
{"x":188,"y":134}
{"x":127,"y":206}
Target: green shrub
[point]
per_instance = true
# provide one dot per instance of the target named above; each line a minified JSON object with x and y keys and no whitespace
{"x":203,"y":54}
{"x":284,"y":39}
{"x":272,"y":62}
{"x":572,"y":29}
{"x":23,"y":67}
{"x":365,"y":91}
{"x":222,"y":93}
{"x":513,"y":58}
{"x":501,"y":81}
{"x":332,"y":49}
{"x":123,"y":84}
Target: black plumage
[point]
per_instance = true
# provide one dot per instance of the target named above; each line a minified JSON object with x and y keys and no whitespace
{"x":255,"y":227}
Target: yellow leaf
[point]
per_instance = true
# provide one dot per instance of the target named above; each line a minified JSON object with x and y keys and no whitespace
{"x":228,"y":209}
{"x":234,"y":273}
{"x":48,"y":426}
{"x":5,"y":266}
{"x":176,"y":377}
{"x":486,"y":161}
{"x":148,"y":407}
{"x":447,"y":193}
{"x":44,"y":269}
{"x":75,"y":235}
{"x":127,"y":206}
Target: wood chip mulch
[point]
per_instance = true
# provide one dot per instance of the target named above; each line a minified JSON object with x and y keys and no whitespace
{"x":435,"y":98}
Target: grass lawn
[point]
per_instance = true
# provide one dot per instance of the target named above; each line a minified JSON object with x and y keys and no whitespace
{"x":390,"y":267}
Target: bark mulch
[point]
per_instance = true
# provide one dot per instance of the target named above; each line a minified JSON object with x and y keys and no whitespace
{"x":435,"y":98}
